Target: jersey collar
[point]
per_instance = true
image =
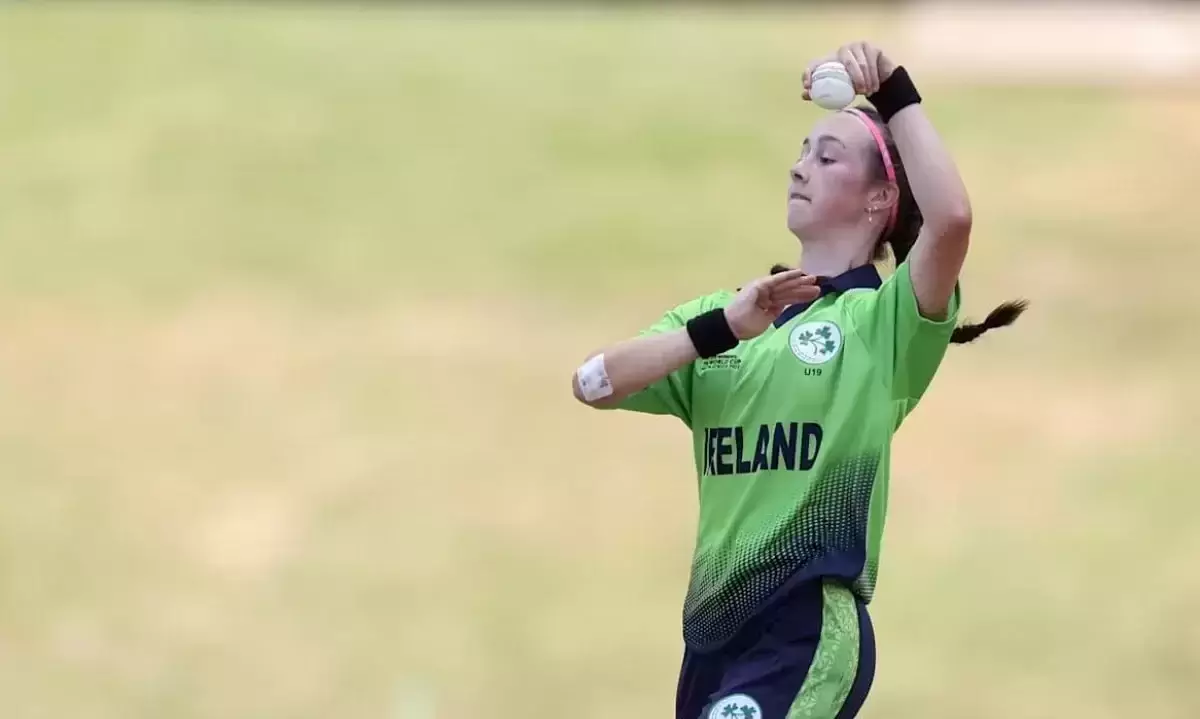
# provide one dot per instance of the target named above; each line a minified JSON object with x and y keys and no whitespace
{"x":864,"y":277}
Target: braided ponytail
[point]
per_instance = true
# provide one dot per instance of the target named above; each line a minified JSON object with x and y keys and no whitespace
{"x":1002,"y":316}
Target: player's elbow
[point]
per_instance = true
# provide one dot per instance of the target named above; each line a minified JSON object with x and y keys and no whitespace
{"x":955,"y":221}
{"x":595,"y":402}
{"x":951,"y":229}
{"x":590,"y":384}
{"x":576,"y":391}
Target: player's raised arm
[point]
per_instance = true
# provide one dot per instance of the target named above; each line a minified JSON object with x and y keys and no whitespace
{"x":613,"y":373}
{"x":941,"y":248}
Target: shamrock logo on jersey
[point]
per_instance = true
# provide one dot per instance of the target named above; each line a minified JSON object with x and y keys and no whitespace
{"x":738,"y":706}
{"x":816,"y":342}
{"x":819,"y":340}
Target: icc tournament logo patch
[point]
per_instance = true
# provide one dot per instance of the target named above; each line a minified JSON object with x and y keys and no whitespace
{"x":735,"y":706}
{"x":720,"y":362}
{"x":815,"y":342}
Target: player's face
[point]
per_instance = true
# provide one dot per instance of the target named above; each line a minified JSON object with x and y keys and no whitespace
{"x":833,"y":177}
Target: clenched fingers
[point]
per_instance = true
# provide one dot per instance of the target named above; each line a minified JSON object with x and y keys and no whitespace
{"x":870,"y":58}
{"x":847,"y":57}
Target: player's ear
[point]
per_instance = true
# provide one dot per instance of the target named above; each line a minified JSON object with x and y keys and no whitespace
{"x":884,"y":196}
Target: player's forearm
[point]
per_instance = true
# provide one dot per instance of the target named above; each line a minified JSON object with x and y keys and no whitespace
{"x":936,"y":184}
{"x":631,"y":366}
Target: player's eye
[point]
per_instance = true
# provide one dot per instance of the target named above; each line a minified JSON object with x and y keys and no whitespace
{"x":827,"y":160}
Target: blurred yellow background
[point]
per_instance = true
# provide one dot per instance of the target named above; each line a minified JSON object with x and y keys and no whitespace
{"x":291,"y":295}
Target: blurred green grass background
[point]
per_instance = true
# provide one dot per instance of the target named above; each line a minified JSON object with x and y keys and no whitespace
{"x":291,"y":295}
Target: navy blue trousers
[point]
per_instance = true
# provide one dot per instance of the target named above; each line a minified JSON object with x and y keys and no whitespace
{"x":814,"y":652}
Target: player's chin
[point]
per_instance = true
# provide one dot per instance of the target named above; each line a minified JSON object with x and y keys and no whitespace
{"x":799,"y":216}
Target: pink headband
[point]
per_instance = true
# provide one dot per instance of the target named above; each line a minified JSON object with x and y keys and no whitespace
{"x":883,"y":152}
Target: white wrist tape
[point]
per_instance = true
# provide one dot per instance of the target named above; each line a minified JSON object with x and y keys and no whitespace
{"x":593,"y":380}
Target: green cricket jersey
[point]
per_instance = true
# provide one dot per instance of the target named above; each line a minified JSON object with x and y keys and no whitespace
{"x":791,"y":435}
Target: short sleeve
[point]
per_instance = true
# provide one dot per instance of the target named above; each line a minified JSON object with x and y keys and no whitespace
{"x":889,"y":321}
{"x":671,"y":395}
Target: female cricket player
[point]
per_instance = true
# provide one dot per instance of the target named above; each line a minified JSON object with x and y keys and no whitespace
{"x":793,"y":387}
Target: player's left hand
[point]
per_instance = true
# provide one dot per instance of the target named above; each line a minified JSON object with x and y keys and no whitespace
{"x":868,"y":66}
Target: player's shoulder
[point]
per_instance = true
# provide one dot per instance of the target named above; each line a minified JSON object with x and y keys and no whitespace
{"x":858,"y":295}
{"x":855,"y":303}
{"x":861,"y":299}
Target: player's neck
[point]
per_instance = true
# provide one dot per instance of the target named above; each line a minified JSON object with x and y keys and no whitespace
{"x":831,"y":256}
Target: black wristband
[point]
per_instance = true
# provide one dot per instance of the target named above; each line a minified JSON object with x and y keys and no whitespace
{"x":711,"y":334}
{"x":895,"y":94}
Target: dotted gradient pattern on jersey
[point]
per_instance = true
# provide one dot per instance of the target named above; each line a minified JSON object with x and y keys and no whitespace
{"x":730,"y":583}
{"x":864,"y":586}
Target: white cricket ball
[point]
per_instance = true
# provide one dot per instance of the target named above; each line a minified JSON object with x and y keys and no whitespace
{"x":832,"y":87}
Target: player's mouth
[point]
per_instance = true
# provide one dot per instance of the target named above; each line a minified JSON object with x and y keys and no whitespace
{"x":799,"y":196}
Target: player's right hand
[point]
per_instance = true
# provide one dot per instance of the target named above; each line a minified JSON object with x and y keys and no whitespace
{"x":866,"y":64}
{"x":760,"y":302}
